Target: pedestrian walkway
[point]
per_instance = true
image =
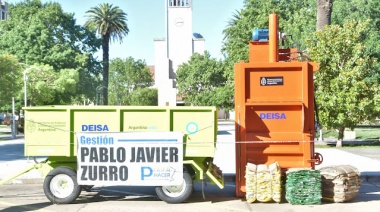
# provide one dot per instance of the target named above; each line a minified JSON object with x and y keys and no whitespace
{"x":367,"y":166}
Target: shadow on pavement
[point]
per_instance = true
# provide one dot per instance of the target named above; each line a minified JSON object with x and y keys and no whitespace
{"x":224,"y":132}
{"x":12,"y":152}
{"x":369,"y":190}
{"x":27,"y":207}
{"x":205,"y":193}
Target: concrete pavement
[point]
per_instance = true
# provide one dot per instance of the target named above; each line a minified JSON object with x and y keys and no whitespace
{"x":12,"y":160}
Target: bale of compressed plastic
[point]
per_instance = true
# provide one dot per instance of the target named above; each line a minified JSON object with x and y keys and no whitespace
{"x":263,"y":183}
{"x":340,"y":183}
{"x":263,"y":180}
{"x":303,"y":187}
{"x":276,"y":182}
{"x":250,"y":179}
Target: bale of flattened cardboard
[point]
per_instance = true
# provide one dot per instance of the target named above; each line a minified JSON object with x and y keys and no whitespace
{"x":263,"y":183}
{"x":303,"y":186}
{"x":340,"y":183}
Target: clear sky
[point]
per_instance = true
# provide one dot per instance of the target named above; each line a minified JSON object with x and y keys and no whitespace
{"x":146,"y":21}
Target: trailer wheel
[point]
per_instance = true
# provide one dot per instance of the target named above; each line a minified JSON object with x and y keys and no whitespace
{"x":61,"y":186}
{"x":177,"y":193}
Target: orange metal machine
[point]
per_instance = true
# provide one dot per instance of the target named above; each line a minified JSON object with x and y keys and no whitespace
{"x":274,"y":107}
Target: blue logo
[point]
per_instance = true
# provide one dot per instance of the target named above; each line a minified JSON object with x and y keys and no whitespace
{"x":272,"y":116}
{"x":146,"y":171}
{"x":94,"y":127}
{"x":163,"y":173}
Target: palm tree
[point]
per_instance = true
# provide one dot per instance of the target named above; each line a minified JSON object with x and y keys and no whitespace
{"x":324,"y":10}
{"x":109,"y":22}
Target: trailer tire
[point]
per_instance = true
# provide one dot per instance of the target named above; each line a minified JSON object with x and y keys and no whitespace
{"x":178,"y":193}
{"x":61,"y":186}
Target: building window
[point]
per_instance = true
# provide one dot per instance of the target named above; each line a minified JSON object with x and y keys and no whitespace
{"x":3,"y":15}
{"x":179,"y":3}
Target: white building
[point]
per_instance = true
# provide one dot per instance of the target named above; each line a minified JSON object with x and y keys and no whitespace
{"x":3,"y":10}
{"x":178,"y":46}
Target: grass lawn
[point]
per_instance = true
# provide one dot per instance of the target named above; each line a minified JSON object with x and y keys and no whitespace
{"x":367,"y":133}
{"x":361,"y":133}
{"x":370,"y":137}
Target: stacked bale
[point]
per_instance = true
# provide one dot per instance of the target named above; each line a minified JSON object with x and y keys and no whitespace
{"x":303,"y":186}
{"x":264,"y":189}
{"x":276,"y":181}
{"x":340,"y":183}
{"x":250,"y":176}
{"x":263,"y":183}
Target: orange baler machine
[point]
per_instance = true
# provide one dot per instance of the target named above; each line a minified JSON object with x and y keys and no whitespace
{"x":274,"y":107}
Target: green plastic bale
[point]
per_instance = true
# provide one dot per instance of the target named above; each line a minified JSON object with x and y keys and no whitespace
{"x":303,"y":187}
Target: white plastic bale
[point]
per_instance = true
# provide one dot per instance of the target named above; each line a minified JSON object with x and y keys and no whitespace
{"x":250,"y":179}
{"x":263,"y":183}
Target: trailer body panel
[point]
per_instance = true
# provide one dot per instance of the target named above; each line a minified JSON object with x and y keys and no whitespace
{"x":50,"y":130}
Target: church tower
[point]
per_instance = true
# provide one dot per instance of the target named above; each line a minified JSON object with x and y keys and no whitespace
{"x":179,"y":28}
{"x":175,"y":49}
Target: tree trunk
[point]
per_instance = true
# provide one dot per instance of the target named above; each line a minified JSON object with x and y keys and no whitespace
{"x":324,"y":9}
{"x":339,"y":143}
{"x":105,"y":46}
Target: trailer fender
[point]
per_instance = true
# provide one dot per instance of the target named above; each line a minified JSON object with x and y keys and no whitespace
{"x":45,"y":167}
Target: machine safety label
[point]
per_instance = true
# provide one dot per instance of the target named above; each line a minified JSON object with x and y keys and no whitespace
{"x":271,"y":81}
{"x":133,"y":158}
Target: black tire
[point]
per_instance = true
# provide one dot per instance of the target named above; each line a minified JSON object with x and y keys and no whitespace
{"x":176,"y":194}
{"x":61,"y":186}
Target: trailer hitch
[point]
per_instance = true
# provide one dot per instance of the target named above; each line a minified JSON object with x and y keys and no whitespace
{"x":44,"y":161}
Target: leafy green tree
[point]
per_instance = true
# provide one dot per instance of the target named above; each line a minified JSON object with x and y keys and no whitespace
{"x":111,"y":23}
{"x":346,"y":86}
{"x":203,"y":82}
{"x":126,"y":76}
{"x":43,"y":83}
{"x":361,"y":10}
{"x":42,"y":33}
{"x":144,"y":97}
{"x":10,"y":78}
